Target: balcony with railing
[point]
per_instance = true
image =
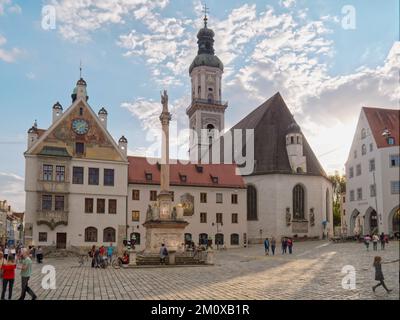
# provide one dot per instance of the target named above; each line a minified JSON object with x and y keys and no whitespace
{"x":52,"y":218}
{"x":207,"y":102}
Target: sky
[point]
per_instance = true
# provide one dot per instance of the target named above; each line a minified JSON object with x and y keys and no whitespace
{"x":327,"y":58}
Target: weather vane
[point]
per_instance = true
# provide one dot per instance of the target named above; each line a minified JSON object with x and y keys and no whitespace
{"x":80,"y":69}
{"x":205,"y":10}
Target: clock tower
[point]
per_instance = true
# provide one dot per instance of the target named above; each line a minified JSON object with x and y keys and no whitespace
{"x":207,"y":110}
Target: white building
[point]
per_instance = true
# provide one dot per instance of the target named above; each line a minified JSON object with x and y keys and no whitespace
{"x":372,"y":170}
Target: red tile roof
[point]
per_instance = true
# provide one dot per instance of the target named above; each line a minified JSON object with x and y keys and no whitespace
{"x":380,"y":119}
{"x":227,"y":178}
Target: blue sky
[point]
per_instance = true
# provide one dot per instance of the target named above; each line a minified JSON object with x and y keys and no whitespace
{"x":132,"y":49}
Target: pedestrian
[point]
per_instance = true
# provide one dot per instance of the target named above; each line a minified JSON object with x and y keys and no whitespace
{"x":290,"y":245}
{"x":375,"y":240}
{"x":97,"y":258}
{"x":33,"y":252}
{"x":6,"y":250}
{"x":39,"y":255}
{"x":13,"y":252}
{"x":92,"y":255}
{"x":266,"y":246}
{"x":273,"y":245}
{"x":110,"y":252}
{"x":284,"y":245}
{"x":379,"y":274}
{"x":382,"y":240}
{"x":8,"y":274}
{"x":163,"y":254}
{"x":367,"y":239}
{"x":26,"y":273}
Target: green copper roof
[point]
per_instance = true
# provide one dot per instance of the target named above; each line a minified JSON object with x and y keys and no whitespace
{"x":206,"y":60}
{"x":54,"y":152}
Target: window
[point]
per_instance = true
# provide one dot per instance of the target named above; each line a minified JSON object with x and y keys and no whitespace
{"x":234,"y":239}
{"x":79,"y":148}
{"x":188,"y":238}
{"x":109,"y":177}
{"x":47,"y":202}
{"x":112,"y":206}
{"x":47,"y":172}
{"x":101,"y":206}
{"x":77,"y":175}
{"x":135,"y":216}
{"x":390,"y":141}
{"x":395,"y":160}
{"x":135,"y":236}
{"x":136,"y":195}
{"x":234,"y":199}
{"x":344,"y":212}
{"x":219,"y":218}
{"x":60,"y":173}
{"x":153,"y":195}
{"x":203,"y":238}
{"x":203,"y":217}
{"x":372,"y":190}
{"x":235,"y":218}
{"x":109,"y":235}
{"x":352,"y":195}
{"x":183,"y":178}
{"x":203,"y":197}
{"x":395,"y":187}
{"x":89,"y":205}
{"x":359,"y":194}
{"x":219,"y":198}
{"x":351,"y":172}
{"x":298,"y":202}
{"x":94,"y":176}
{"x":358,"y":170}
{"x":172,"y":196}
{"x":91,"y":234}
{"x":214,"y":180}
{"x":363,"y":133}
{"x":149,"y":176}
{"x":371,"y":165}
{"x":292,"y":140}
{"x":363,"y":149}
{"x":252,"y":203}
{"x":355,"y":154}
{"x":81,"y":111}
{"x":219,"y":239}
{"x":59,"y":203}
{"x":42,"y":236}
{"x":371,"y":147}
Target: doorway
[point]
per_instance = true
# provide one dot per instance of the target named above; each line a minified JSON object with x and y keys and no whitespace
{"x":61,"y":241}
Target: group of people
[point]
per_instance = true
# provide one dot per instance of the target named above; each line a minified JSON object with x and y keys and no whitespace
{"x":286,"y":244}
{"x":8,"y":266}
{"x":101,"y":256}
{"x":375,"y":239}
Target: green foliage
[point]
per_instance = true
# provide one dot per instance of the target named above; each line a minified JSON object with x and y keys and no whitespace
{"x":339,"y":187}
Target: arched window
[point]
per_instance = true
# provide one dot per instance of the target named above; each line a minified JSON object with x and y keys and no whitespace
{"x":210,"y":97}
{"x":251,"y":203}
{"x":299,"y":170}
{"x":298,"y":202}
{"x":234,"y":239}
{"x":91,"y":234}
{"x":363,"y":133}
{"x":203,"y":238}
{"x":136,"y":236}
{"x":328,"y":206}
{"x":364,"y":149}
{"x":219,"y":239}
{"x":199,"y":91}
{"x":109,"y":235}
{"x":188,"y":238}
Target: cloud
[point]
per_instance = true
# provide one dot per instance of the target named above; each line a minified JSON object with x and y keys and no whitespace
{"x":77,"y":20}
{"x":12,"y":190}
{"x":7,"y":5}
{"x":8,"y":56}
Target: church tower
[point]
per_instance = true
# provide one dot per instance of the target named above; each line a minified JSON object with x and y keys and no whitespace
{"x":206,"y":110}
{"x":294,"y":148}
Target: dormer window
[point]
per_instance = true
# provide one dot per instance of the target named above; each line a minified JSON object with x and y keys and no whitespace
{"x":79,"y":148}
{"x":149,"y":176}
{"x":199,"y":169}
{"x":214,"y":179}
{"x":183,"y":178}
{"x":390,"y":141}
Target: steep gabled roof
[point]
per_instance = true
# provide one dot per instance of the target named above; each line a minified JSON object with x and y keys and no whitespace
{"x":380,"y":119}
{"x":270,"y":122}
{"x":226,"y":174}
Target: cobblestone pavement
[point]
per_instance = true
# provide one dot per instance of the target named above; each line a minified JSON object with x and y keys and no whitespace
{"x":313,"y":271}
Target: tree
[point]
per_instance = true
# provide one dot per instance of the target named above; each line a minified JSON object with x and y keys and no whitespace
{"x":339,"y":187}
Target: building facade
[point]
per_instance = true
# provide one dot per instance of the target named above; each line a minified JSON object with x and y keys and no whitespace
{"x":76,"y":179}
{"x":372,"y":170}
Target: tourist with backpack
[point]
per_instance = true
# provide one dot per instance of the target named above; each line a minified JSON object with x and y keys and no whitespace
{"x":163,"y":254}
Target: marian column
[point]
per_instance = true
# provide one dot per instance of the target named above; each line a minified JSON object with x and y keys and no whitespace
{"x":165,"y":118}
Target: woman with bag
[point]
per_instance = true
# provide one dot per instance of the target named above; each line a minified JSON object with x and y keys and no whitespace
{"x":8,"y":273}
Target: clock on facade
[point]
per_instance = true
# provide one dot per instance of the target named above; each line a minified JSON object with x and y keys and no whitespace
{"x":80,"y":126}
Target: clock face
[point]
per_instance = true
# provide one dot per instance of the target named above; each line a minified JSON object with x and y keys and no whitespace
{"x":80,"y":126}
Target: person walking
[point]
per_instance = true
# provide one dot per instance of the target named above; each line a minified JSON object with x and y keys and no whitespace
{"x":375,"y":240}
{"x":367,"y":240}
{"x":284,"y":245}
{"x":39,"y":255}
{"x":6,"y":250}
{"x":26,"y":273}
{"x":13,"y":251}
{"x":8,"y":272}
{"x":382,"y":240}
{"x":266,"y":246}
{"x":290,"y":245}
{"x":273,"y":245}
{"x":379,"y":274}
{"x":92,"y":255}
{"x":163,"y":254}
{"x":110,"y":252}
